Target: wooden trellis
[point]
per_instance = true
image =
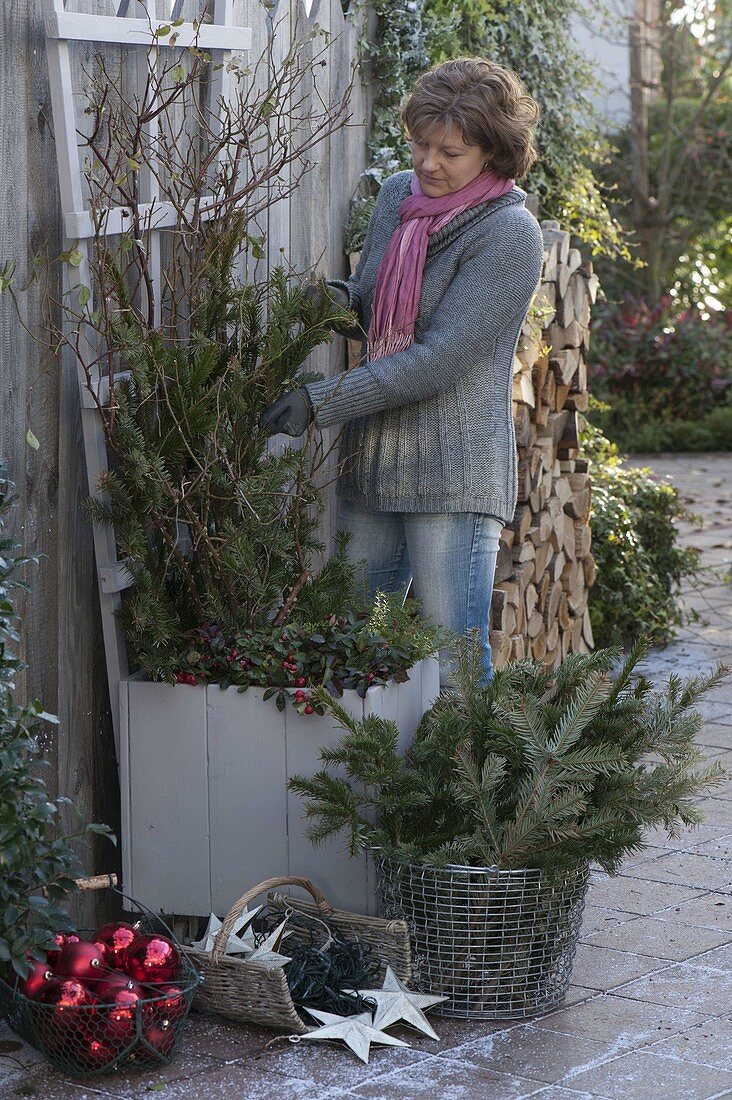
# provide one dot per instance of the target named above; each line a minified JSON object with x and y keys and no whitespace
{"x":133,"y":26}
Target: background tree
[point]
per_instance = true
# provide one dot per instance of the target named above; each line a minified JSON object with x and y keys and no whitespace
{"x":676,"y":197}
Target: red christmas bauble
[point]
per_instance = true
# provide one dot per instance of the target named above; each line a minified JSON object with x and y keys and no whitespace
{"x":120,"y":996}
{"x":37,"y":978}
{"x":113,"y":938}
{"x":114,"y":982}
{"x":80,"y":960}
{"x":91,"y":1051}
{"x":65,"y":994}
{"x":71,"y":1010}
{"x":151,"y":958}
{"x":161,"y":1037}
{"x":168,"y":1003}
{"x":60,"y":939}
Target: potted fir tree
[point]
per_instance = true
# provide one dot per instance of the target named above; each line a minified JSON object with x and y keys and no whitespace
{"x":484,"y":834}
{"x":216,"y":529}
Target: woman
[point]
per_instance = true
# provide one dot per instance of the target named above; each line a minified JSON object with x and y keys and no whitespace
{"x":449,"y":266}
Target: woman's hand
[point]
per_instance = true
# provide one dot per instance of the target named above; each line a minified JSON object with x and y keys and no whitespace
{"x":316,"y":292}
{"x":291,"y":414}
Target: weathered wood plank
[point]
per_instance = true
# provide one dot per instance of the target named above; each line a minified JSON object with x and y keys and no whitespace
{"x":247,"y":764}
{"x":166,"y":765}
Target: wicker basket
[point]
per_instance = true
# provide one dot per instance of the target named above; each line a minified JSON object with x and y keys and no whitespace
{"x":249,"y":993}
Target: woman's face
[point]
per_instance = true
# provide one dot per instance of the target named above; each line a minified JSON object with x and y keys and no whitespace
{"x":442,"y":160}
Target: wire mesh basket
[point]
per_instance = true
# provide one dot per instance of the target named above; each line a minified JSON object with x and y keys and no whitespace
{"x":85,"y":1035}
{"x":499,"y":944}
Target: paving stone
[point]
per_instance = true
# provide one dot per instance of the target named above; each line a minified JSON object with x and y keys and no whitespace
{"x":660,"y":938}
{"x":559,"y":1092}
{"x":629,"y":892}
{"x":601,"y":968}
{"x":700,"y":988}
{"x":16,"y":1059}
{"x":242,"y":1081}
{"x":213,"y":1036}
{"x":719,"y":958}
{"x":527,"y":1051}
{"x":452,"y":1032}
{"x":707,"y":1044}
{"x":645,"y":1076}
{"x":684,"y":869}
{"x":331,"y":1064}
{"x":716,"y":810}
{"x":442,"y":1078}
{"x":620,"y":1022}
{"x":596,"y":918}
{"x":132,"y":1083}
{"x":720,"y":847}
{"x":44,"y":1087}
{"x":711,"y":911}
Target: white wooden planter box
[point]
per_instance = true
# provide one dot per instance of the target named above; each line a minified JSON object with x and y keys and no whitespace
{"x":206,"y":813}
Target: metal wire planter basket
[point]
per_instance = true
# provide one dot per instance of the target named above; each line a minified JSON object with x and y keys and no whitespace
{"x":101,"y":1038}
{"x":499,"y":944}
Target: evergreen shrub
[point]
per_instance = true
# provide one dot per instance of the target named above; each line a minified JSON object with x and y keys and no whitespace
{"x":659,"y":364}
{"x":219,"y":529}
{"x":539,"y":769}
{"x":38,"y":865}
{"x":640,"y":566}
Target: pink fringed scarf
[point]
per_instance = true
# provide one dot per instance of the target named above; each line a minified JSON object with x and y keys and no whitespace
{"x":399,"y":278}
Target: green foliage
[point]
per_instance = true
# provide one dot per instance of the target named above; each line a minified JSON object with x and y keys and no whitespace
{"x":693,"y":226}
{"x":663,"y":362}
{"x":218,"y":529}
{"x":634,"y":433}
{"x":534,"y":40}
{"x":344,"y":649}
{"x":640,"y":566}
{"x":37,"y":865}
{"x":541,"y":768}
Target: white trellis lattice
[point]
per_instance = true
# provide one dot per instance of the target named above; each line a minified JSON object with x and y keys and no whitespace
{"x":134,"y":25}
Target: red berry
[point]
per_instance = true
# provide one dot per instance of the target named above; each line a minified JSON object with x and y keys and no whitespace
{"x":244,"y":662}
{"x":191,"y":679}
{"x":370,"y":677}
{"x":180,"y":677}
{"x":300,"y":696}
{"x":309,"y":709}
{"x":301,"y":681}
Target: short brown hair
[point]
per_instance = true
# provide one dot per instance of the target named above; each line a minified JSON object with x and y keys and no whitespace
{"x":487,"y":102}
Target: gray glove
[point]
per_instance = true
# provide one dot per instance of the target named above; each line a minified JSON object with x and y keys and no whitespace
{"x":291,"y":414}
{"x":314,"y":293}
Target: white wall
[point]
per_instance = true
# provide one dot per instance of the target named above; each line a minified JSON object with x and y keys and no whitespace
{"x":602,"y":36}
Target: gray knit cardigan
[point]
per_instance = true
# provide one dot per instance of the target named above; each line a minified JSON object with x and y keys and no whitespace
{"x":430,"y":428}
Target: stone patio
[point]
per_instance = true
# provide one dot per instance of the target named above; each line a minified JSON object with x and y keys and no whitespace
{"x":649,"y":1013}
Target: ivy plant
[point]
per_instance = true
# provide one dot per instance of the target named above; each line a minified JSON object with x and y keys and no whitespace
{"x":535,"y":40}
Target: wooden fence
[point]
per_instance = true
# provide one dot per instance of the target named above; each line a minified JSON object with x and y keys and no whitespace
{"x":61,"y":631}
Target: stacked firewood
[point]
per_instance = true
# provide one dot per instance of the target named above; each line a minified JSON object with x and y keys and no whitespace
{"x":545,"y":568}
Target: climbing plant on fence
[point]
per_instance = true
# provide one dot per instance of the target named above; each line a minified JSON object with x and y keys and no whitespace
{"x":534,"y":40}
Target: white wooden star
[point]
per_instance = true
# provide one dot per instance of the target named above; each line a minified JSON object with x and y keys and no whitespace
{"x":235,"y":944}
{"x":397,"y":1004}
{"x":357,"y":1032}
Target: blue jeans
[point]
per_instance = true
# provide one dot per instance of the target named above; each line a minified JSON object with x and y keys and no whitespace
{"x":451,"y":558}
